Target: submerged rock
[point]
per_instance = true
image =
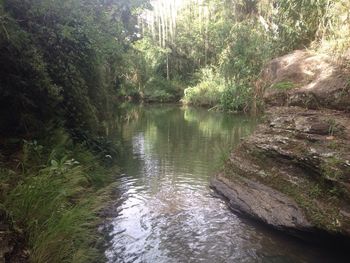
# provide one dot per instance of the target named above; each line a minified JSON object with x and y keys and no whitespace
{"x":293,"y":173}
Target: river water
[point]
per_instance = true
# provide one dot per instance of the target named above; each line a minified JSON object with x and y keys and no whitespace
{"x":165,"y":211}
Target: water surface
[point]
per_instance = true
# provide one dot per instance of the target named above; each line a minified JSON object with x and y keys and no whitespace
{"x":165,"y":210}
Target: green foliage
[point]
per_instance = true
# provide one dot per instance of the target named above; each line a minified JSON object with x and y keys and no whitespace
{"x":161,"y":90}
{"x":283,"y":85}
{"x":331,"y":168}
{"x":239,"y":64}
{"x":146,"y":76}
{"x":237,"y":38}
{"x":332,"y":126}
{"x":236,"y":98}
{"x":55,"y":202}
{"x":297,"y":22}
{"x":154,"y":56}
{"x":62,"y":61}
{"x":207,"y":92}
{"x":248,"y":48}
{"x":23,"y":79}
{"x":333,"y":34}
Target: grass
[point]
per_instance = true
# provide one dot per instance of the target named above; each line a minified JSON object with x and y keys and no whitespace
{"x":214,"y":92}
{"x":207,"y":92}
{"x":54,"y":200}
{"x":331,"y":168}
{"x":283,"y":85}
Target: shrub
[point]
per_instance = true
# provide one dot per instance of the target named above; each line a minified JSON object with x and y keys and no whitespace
{"x":236,"y":97}
{"x":56,"y":199}
{"x":207,"y":92}
{"x":158,"y":89}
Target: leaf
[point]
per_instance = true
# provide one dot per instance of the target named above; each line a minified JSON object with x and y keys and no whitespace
{"x":54,"y":163}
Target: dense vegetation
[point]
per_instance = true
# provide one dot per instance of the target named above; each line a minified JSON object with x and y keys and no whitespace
{"x":66,"y":65}
{"x":64,"y":59}
{"x":61,"y":62}
{"x":215,"y":49}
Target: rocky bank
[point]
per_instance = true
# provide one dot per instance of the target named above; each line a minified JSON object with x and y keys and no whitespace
{"x":293,"y":173}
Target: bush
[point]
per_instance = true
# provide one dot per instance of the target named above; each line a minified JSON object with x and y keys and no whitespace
{"x":333,"y":34}
{"x":240,"y":62}
{"x":212,"y":91}
{"x":297,"y":23}
{"x":158,"y":89}
{"x":55,"y":199}
{"x":207,"y":92}
{"x":57,"y":64}
{"x":236,"y":97}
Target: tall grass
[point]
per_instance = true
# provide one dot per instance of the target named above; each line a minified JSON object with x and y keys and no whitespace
{"x":334,"y":30}
{"x":55,"y":198}
{"x":207,"y":92}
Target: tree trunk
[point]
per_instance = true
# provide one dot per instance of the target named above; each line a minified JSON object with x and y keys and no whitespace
{"x":167,"y":67}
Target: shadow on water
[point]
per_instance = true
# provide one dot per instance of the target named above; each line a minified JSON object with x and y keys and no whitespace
{"x":165,"y":210}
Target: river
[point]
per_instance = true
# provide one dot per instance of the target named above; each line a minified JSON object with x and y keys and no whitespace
{"x":165,"y":211}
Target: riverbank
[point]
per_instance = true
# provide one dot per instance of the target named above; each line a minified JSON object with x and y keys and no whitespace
{"x":52,"y":191}
{"x":293,"y":172}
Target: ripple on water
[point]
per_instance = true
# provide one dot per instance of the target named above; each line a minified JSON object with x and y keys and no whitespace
{"x":165,"y":209}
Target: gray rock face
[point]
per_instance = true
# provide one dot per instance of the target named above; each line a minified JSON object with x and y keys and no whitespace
{"x":262,"y":202}
{"x":293,"y":173}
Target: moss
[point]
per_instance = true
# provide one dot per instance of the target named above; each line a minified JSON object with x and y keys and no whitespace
{"x":331,"y":168}
{"x":334,"y":145}
{"x":308,"y":196}
{"x":283,"y":85}
{"x":315,"y":191}
{"x":319,"y":201}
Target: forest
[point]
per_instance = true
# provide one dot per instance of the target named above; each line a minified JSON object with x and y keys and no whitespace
{"x":68,"y":68}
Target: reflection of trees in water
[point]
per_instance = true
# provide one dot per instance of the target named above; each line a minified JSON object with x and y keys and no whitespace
{"x":165,"y":208}
{"x":177,"y":137}
{"x":220,"y":124}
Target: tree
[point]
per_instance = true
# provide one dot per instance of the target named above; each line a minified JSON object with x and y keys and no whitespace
{"x":63,"y":60}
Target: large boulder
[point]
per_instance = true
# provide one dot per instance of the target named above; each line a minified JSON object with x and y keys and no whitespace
{"x":307,"y":80}
{"x":293,"y":173}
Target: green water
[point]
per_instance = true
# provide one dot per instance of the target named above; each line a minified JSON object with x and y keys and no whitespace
{"x":165,"y":210}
